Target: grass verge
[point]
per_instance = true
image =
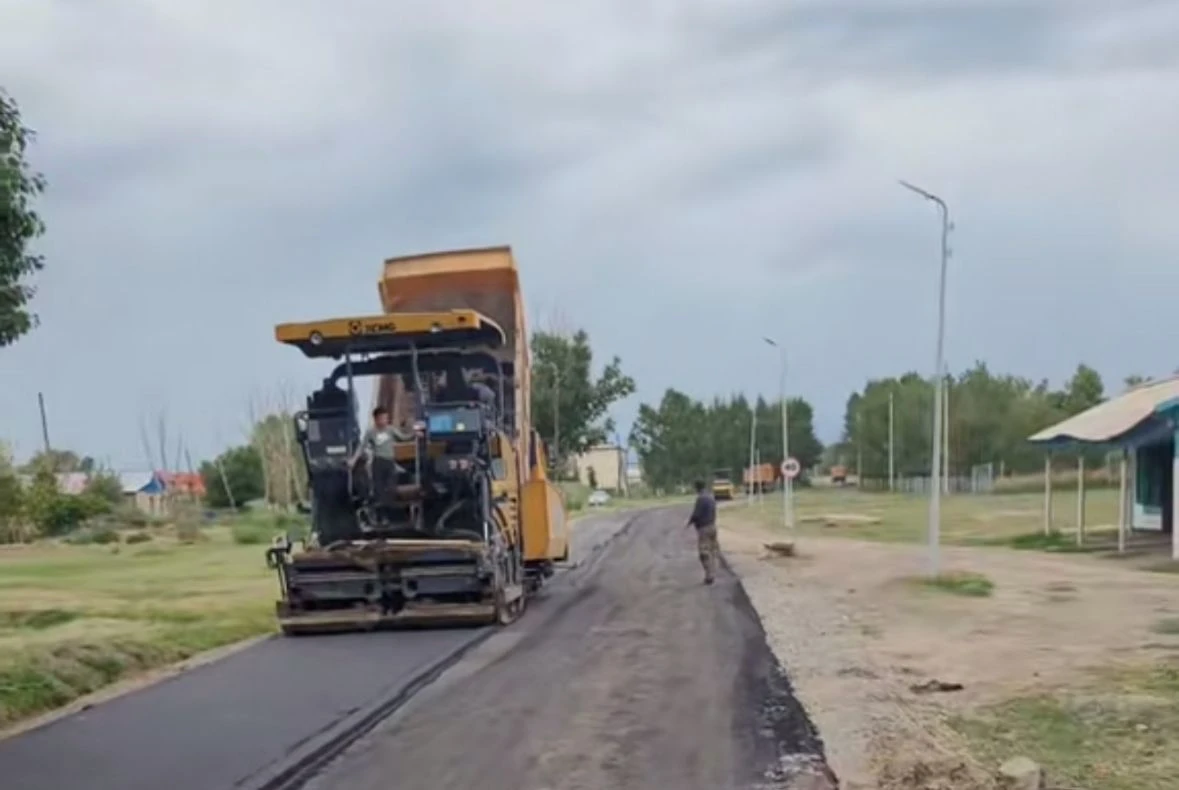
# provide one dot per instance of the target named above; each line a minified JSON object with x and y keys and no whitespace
{"x":74,"y":618}
{"x":1116,"y":733}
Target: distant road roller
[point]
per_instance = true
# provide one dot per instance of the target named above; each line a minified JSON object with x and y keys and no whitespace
{"x":459,"y":523}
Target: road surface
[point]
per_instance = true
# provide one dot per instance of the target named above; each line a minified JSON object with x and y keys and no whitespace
{"x":237,"y":722}
{"x":633,"y":674}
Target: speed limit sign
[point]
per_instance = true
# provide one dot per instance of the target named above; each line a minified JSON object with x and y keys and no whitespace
{"x":791,"y":468}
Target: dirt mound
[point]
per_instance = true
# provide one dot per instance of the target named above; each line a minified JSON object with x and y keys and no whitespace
{"x":917,"y":773}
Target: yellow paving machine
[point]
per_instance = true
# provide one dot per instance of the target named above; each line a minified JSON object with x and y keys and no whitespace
{"x":462,"y":525}
{"x":722,"y":484}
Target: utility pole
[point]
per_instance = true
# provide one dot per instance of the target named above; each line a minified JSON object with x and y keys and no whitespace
{"x":946,"y":436}
{"x":859,"y":448}
{"x":556,"y":422}
{"x":757,"y":461}
{"x":787,"y":483}
{"x":935,"y":490}
{"x":891,"y":455}
{"x":44,"y":422}
{"x":753,"y":481}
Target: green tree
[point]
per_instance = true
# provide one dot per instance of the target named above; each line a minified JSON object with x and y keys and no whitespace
{"x":20,"y":224}
{"x":1084,"y":390}
{"x":682,"y":439}
{"x":991,"y":417}
{"x":284,"y":474}
{"x":1134,"y":380}
{"x":242,"y":468}
{"x":14,"y":526}
{"x":55,"y":513}
{"x":59,"y":461}
{"x":570,"y":407}
{"x":105,"y":486}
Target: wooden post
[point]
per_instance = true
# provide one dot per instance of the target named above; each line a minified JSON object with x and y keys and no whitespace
{"x":1080,"y":500}
{"x":1048,"y":494}
{"x":1175,"y":499}
{"x":1123,"y":498}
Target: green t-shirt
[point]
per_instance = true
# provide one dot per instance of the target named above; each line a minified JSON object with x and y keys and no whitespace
{"x":380,"y":441}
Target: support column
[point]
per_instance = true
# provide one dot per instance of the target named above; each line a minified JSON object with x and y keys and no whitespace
{"x":1175,"y":499}
{"x":1080,"y":500}
{"x":1048,"y":494}
{"x":1123,"y":498}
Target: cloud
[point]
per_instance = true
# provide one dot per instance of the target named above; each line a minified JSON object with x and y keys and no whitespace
{"x":679,"y":178}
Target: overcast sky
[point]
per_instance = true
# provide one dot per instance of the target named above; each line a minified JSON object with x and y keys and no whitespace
{"x":677,"y":177}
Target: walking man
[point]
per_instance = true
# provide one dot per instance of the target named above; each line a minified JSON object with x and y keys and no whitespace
{"x":703,"y":518}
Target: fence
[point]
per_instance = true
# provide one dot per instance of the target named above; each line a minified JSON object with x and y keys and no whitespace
{"x":981,"y":480}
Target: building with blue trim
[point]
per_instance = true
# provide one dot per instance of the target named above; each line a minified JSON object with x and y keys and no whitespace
{"x":1143,"y":426}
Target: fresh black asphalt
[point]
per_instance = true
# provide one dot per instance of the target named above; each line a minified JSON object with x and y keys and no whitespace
{"x":222,"y":725}
{"x":234,"y":722}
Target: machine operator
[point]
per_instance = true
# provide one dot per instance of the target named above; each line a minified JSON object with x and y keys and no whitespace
{"x":483,"y":392}
{"x":378,"y":443}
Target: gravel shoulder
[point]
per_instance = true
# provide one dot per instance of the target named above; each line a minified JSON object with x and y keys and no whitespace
{"x":630,"y":674}
{"x":861,"y":638}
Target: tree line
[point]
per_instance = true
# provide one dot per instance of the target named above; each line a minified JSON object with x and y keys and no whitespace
{"x":991,"y":416}
{"x":682,"y":439}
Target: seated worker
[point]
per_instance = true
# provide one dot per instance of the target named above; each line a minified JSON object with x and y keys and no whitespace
{"x":377,"y":443}
{"x":482,"y":391}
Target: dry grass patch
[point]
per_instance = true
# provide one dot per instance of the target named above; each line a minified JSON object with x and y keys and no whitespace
{"x":1116,"y":732}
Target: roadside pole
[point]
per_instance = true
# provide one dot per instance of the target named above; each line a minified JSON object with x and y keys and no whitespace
{"x":787,"y":482}
{"x":935,"y":472}
{"x":751,"y":484}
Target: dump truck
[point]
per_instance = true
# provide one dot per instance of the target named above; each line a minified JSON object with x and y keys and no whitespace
{"x":465,"y":525}
{"x":722,"y":484}
{"x":759,"y":478}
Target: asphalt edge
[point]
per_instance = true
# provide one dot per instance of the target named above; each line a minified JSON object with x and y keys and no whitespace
{"x":121,"y":688}
{"x":794,"y":766}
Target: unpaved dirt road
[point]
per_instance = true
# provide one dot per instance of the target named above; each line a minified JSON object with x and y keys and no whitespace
{"x":632,"y":674}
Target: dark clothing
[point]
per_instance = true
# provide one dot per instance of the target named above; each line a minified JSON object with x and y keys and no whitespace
{"x":484,"y":394}
{"x":704,"y":511}
{"x":709,"y":550}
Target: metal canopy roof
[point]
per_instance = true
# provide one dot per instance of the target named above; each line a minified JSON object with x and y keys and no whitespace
{"x":1141,"y":416}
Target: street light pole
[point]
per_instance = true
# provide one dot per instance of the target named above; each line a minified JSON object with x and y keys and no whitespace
{"x":753,"y":481}
{"x":787,"y":484}
{"x":891,"y":456}
{"x":935,"y":481}
{"x":556,"y":413}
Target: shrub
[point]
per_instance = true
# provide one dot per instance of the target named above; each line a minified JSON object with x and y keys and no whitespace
{"x":283,"y":521}
{"x":189,"y":532}
{"x":251,"y":533}
{"x":963,"y":583}
{"x":137,"y":537}
{"x":100,"y":535}
{"x":105,"y":486}
{"x":15,"y":526}
{"x":131,"y":516}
